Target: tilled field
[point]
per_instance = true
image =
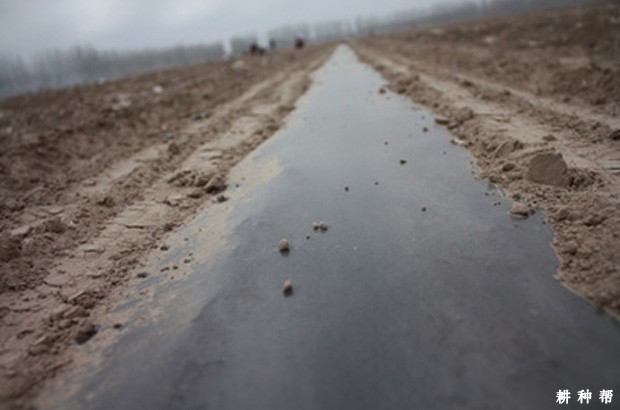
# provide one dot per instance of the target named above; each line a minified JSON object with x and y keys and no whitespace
{"x":93,"y":177}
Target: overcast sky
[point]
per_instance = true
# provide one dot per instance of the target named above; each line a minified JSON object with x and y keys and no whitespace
{"x":29,"y":26}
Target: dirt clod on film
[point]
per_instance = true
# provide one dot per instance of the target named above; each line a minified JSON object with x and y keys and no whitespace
{"x":520,"y":210}
{"x":287,"y":288}
{"x":284,"y":246}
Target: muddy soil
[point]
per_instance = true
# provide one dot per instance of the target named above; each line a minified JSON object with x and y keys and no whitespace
{"x":536,"y":101}
{"x":93,"y":177}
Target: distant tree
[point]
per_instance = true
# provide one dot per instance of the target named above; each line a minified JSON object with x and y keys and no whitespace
{"x":53,"y":69}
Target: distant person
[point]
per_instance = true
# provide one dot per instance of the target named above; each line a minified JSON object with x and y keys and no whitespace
{"x":255,"y":49}
{"x":272,"y":44}
{"x":299,"y":42}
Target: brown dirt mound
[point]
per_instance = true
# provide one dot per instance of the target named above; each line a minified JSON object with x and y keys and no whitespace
{"x":548,"y":169}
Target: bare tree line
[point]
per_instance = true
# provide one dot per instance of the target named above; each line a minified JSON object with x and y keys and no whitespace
{"x":55,"y":69}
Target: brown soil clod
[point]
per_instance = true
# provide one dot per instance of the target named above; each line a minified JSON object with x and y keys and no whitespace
{"x":520,"y":211}
{"x":548,"y":169}
{"x":196,"y":193}
{"x":561,"y":214}
{"x":55,"y":225}
{"x":320,"y":226}
{"x":284,"y":246}
{"x":216,"y":184}
{"x":594,"y":220}
{"x":107,"y":201}
{"x":174,"y":149}
{"x":287,"y":288}
{"x":85,"y":333}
